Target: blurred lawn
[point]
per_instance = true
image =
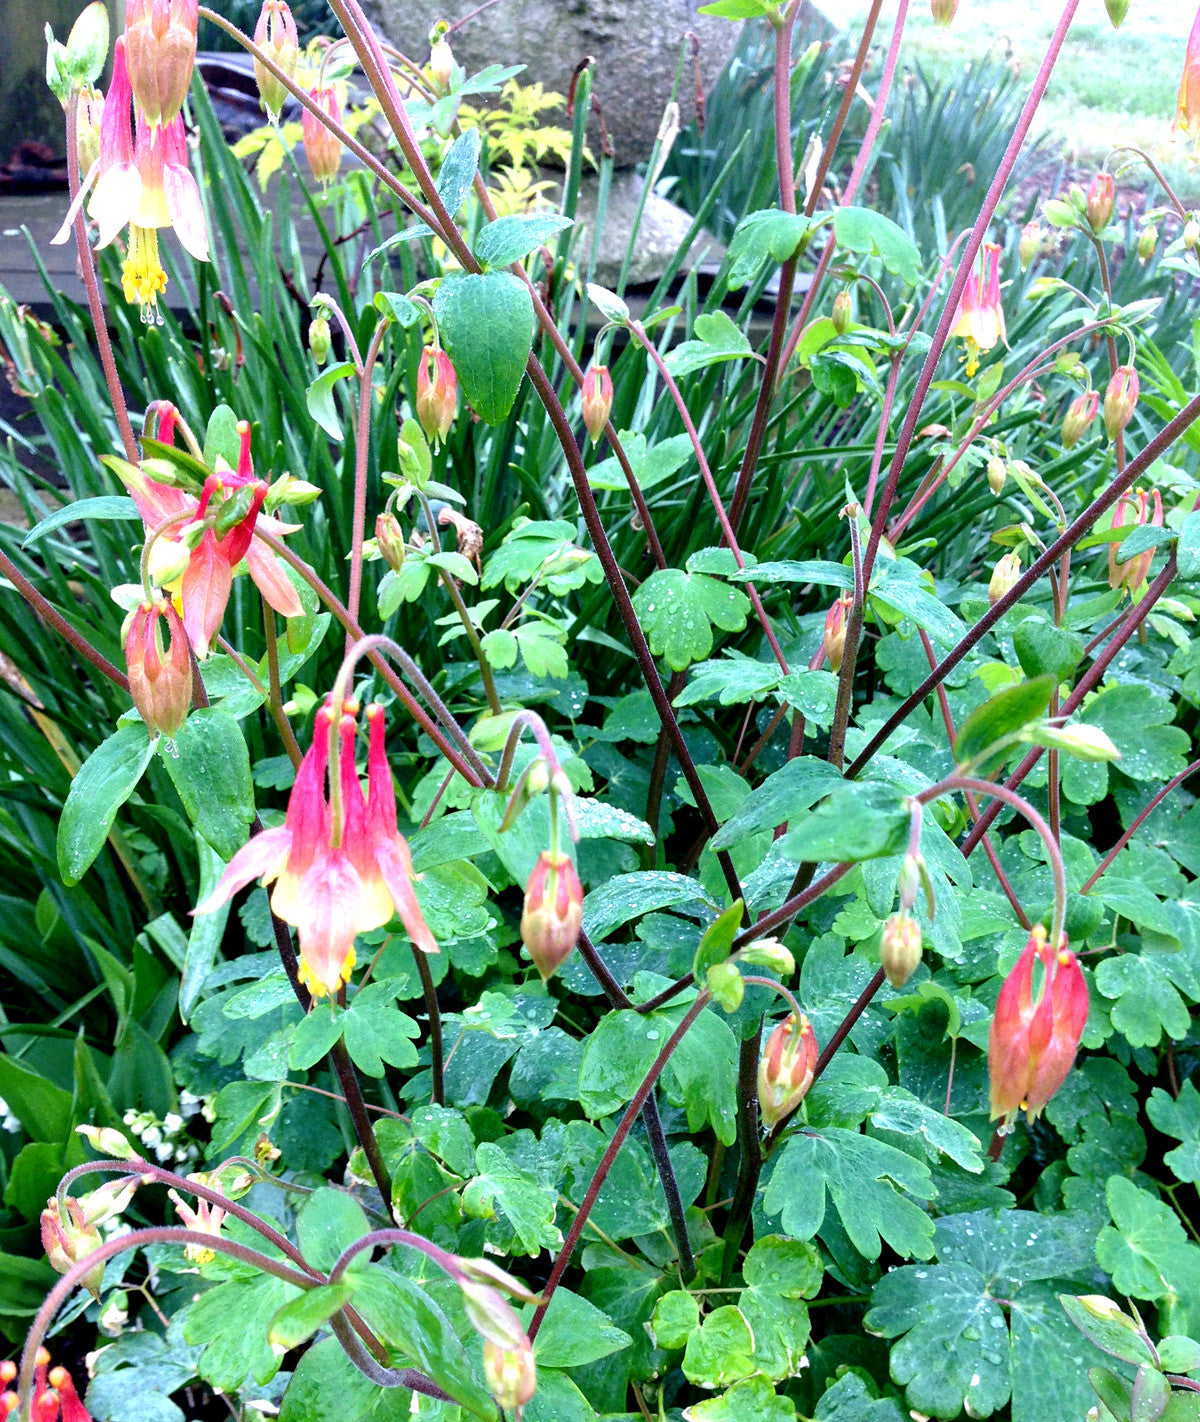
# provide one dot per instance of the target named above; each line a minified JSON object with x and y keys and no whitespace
{"x":1108,"y":87}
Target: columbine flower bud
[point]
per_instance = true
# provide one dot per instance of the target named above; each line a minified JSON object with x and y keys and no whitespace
{"x":87,"y":44}
{"x":1101,"y":197}
{"x":1004,"y":577}
{"x":943,"y":11}
{"x":1117,"y":10}
{"x":1030,"y":244}
{"x":1191,"y":234}
{"x":320,"y":340}
{"x":785,"y":1071}
{"x":553,"y":912}
{"x":997,"y":474}
{"x":322,"y":148}
{"x":87,"y":129}
{"x":900,"y":948}
{"x":1147,"y":241}
{"x":1120,"y":399}
{"x":1032,"y":1045}
{"x":1080,"y":740}
{"x":159,"y":683}
{"x":275,"y":34}
{"x":834,"y":641}
{"x":1080,"y":414}
{"x":389,"y":539}
{"x":768,"y":953}
{"x":160,"y":50}
{"x":1140,"y":507}
{"x":437,"y":393}
{"x":69,"y":1236}
{"x":842,"y":312}
{"x":108,"y":1141}
{"x":596,"y":398}
{"x":441,"y":64}
{"x":510,"y":1374}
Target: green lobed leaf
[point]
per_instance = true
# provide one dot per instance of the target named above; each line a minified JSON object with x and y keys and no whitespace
{"x":678,"y":611}
{"x":575,"y":1332}
{"x":861,"y":229}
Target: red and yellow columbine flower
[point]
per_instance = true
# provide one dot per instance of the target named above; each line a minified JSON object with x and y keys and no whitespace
{"x":979,"y":320}
{"x":160,"y":36}
{"x":1187,"y":107}
{"x":785,"y":1071}
{"x":553,"y":912}
{"x":203,"y":1216}
{"x":53,"y":1396}
{"x":437,"y":393}
{"x":144,"y":185}
{"x":333,"y":881}
{"x":322,"y":148}
{"x":160,"y":682}
{"x":1140,"y":507}
{"x":1032,"y":1045}
{"x":203,"y":588}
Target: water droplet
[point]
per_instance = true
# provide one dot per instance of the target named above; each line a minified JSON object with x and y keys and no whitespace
{"x":652,"y":1035}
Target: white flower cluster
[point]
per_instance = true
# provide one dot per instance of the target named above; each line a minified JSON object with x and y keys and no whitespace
{"x":166,"y":1140}
{"x":8,"y":1122}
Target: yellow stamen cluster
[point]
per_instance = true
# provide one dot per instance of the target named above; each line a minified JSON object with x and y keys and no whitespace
{"x":142,"y":275}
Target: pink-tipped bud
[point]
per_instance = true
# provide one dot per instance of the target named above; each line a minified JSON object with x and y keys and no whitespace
{"x":997,"y":474}
{"x":160,"y":50}
{"x":943,"y":11}
{"x":1101,"y":197}
{"x":1004,"y":577}
{"x":1080,"y":414}
{"x":1147,"y":241}
{"x":437,"y":393}
{"x":900,"y":948}
{"x":1139,"y":508}
{"x":553,"y":912}
{"x":1120,"y":399}
{"x":160,"y":682}
{"x":596,"y":398}
{"x":275,"y":34}
{"x":511,"y":1375}
{"x":843,"y":311}
{"x":1030,"y":245}
{"x":441,"y":64}
{"x":785,"y":1071}
{"x":1032,"y":1045}
{"x":322,"y":148}
{"x":834,"y":640}
{"x":389,"y":539}
{"x":69,"y":1236}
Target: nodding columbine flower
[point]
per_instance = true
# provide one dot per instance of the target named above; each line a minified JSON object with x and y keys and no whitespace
{"x":334,"y":881}
{"x":202,"y":588}
{"x":979,"y":320}
{"x":160,"y":36}
{"x":160,"y":683}
{"x":69,"y":1230}
{"x":275,"y":34}
{"x":1080,"y":414}
{"x":1004,"y":577}
{"x":553,"y":912}
{"x":1187,"y":106}
{"x":322,"y":148}
{"x":115,"y":182}
{"x":53,"y":1395}
{"x":785,"y":1070}
{"x":511,"y":1375}
{"x":1101,"y":198}
{"x":1032,"y":1045}
{"x":1120,"y":399}
{"x":596,"y":399}
{"x":1139,"y":508}
{"x":437,"y":393}
{"x":833,"y":642}
{"x":203,"y":1216}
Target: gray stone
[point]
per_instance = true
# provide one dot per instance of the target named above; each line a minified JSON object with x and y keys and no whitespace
{"x":636,"y":45}
{"x":663,"y":228}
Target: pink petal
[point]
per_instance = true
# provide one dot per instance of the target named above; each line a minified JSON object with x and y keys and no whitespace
{"x":272,"y":581}
{"x":207,"y":583}
{"x":260,"y":858}
{"x":115,"y":200}
{"x":187,"y":212}
{"x":395,"y":870}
